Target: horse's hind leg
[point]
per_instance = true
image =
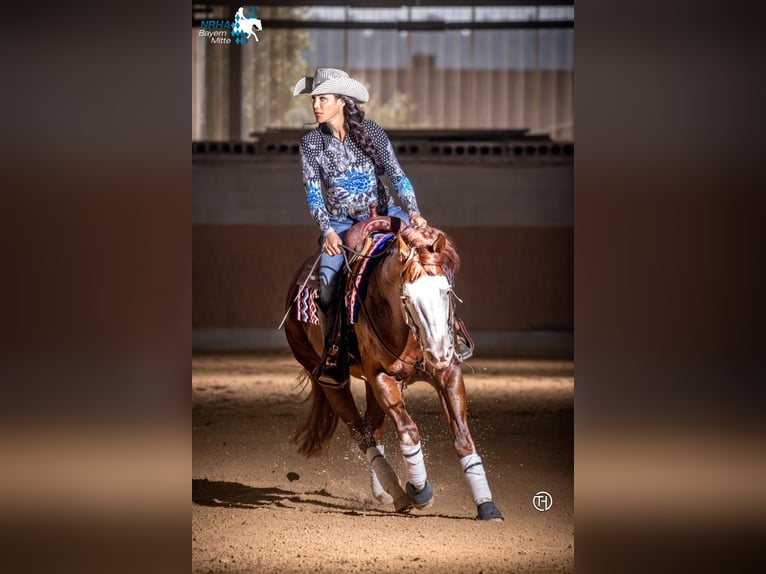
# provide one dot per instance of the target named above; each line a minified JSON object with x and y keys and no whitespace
{"x":381,"y":471}
{"x":451,"y":391}
{"x":342,"y":402}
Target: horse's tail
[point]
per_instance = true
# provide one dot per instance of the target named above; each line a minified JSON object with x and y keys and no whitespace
{"x":314,"y":435}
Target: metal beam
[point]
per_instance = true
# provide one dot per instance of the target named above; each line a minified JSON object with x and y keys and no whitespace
{"x":390,"y":3}
{"x":424,"y":26}
{"x":235,"y":94}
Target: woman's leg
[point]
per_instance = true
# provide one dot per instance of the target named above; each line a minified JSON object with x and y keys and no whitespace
{"x":332,"y":370}
{"x":329,"y":265}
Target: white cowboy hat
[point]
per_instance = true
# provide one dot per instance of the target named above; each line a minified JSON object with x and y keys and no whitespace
{"x":331,"y":81}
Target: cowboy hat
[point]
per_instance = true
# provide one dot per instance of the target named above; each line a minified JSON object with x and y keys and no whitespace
{"x":331,"y":81}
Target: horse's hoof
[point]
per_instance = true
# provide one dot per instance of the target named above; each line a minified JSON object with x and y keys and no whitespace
{"x":384,"y":498}
{"x":488,"y":511}
{"x":404,"y":506}
{"x":402,"y":502}
{"x":422,"y":497}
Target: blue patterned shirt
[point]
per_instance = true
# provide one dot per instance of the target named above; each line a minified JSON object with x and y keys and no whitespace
{"x":347,"y":175}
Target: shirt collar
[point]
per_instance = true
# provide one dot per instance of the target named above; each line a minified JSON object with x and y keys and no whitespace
{"x":329,"y":139}
{"x":326,"y":131}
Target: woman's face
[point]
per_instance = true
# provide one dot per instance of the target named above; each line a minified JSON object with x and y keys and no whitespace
{"x":327,"y":108}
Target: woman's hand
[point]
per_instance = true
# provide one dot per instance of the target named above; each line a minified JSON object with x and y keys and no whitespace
{"x":333,"y":244}
{"x":417,"y":220}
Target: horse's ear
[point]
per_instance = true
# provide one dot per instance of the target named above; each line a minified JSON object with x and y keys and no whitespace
{"x":404,"y":249}
{"x":440,"y":243}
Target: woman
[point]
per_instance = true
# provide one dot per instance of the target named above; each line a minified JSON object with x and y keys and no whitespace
{"x":345,"y":155}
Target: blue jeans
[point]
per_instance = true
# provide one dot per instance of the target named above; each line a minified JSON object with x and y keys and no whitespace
{"x":329,"y":265}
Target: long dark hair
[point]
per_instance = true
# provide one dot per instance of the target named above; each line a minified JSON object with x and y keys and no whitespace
{"x":354,"y":116}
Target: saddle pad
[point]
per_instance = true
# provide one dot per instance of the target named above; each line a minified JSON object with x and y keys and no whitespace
{"x":306,"y":307}
{"x":361,"y":266}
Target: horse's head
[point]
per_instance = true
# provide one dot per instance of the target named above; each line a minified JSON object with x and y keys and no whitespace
{"x":429,"y":263}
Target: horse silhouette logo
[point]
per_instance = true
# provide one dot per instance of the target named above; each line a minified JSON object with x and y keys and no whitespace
{"x":243,"y":27}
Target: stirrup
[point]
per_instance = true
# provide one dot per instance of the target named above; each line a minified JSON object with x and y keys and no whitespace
{"x":464,"y":352}
{"x":332,"y":370}
{"x":465,"y":344}
{"x":328,"y":372}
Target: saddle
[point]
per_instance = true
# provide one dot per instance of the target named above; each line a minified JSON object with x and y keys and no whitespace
{"x":374,"y":224}
{"x":358,"y":239}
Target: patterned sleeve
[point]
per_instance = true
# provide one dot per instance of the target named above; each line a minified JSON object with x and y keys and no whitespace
{"x":391,"y":166}
{"x":310,"y":148}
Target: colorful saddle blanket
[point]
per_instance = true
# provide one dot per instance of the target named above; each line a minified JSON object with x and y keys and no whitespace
{"x":361,"y":265}
{"x":305,"y":308}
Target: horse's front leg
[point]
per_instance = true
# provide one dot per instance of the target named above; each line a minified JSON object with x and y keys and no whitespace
{"x":388,"y":393}
{"x":451,"y":389}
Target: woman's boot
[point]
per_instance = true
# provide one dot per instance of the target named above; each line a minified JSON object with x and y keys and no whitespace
{"x":333,"y":368}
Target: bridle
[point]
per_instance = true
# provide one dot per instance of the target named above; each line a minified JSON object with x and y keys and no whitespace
{"x":407,"y":307}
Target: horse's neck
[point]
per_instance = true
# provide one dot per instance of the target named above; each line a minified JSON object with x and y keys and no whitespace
{"x":388,"y":278}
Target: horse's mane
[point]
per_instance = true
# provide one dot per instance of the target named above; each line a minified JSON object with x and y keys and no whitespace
{"x":422,"y":239}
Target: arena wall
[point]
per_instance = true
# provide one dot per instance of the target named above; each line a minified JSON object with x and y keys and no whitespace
{"x":511,"y":220}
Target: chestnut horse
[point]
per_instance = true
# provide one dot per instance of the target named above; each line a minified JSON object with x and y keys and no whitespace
{"x":404,"y":333}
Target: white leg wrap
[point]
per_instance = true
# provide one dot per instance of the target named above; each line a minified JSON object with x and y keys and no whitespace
{"x":416,"y":468}
{"x":377,"y":489}
{"x":387,"y":477}
{"x":476,"y":478}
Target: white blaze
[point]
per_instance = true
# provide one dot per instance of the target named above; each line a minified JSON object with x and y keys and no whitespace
{"x":429,"y":307}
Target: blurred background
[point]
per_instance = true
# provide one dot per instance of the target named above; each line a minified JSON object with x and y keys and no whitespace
{"x":669,"y":273}
{"x":478,"y":103}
